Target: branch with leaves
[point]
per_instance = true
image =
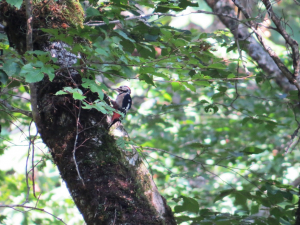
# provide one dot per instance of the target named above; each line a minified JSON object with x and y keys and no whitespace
{"x":254,"y":48}
{"x":144,"y":17}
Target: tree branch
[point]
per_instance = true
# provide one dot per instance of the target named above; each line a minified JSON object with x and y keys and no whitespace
{"x":254,"y":49}
{"x":144,"y":17}
{"x":290,"y":41}
{"x":5,"y":104}
{"x":272,"y":53}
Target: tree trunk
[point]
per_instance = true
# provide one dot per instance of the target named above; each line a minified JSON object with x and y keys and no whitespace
{"x":107,"y":185}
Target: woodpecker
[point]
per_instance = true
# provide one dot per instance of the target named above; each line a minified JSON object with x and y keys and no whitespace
{"x":122,"y":103}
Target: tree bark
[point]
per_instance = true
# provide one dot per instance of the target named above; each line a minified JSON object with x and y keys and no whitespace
{"x":107,"y":184}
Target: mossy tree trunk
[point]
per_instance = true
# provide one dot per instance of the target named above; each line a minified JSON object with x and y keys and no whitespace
{"x":110,"y":190}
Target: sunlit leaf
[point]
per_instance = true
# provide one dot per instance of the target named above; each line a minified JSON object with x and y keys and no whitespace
{"x":189,"y":204}
{"x":253,"y":150}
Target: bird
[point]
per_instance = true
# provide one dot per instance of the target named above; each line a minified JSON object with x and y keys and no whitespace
{"x":122,"y":103}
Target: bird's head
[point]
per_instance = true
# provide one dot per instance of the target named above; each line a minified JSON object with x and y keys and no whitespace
{"x":123,"y":89}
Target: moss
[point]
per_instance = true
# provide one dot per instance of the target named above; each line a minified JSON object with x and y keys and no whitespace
{"x":60,"y":14}
{"x":74,"y":12}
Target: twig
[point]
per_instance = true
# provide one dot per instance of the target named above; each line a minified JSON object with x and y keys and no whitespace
{"x":100,"y":23}
{"x":77,"y":131}
{"x":115,"y":216}
{"x":237,"y":94}
{"x":292,"y":140}
{"x":75,"y":143}
{"x":32,"y":161}
{"x":44,"y":5}
{"x":5,"y":104}
{"x":31,"y":208}
{"x":167,"y":81}
{"x":26,"y":166}
{"x":83,"y":142}
{"x":290,"y":41}
{"x":38,"y":200}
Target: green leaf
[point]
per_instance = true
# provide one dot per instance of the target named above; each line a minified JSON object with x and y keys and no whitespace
{"x":16,"y":3}
{"x":179,"y":42}
{"x":196,"y":145}
{"x":49,"y":70}
{"x":3,"y":46}
{"x":253,"y":150}
{"x":94,"y":87}
{"x":2,"y":218}
{"x":283,"y":221}
{"x":189,"y":204}
{"x":61,"y":93}
{"x":128,"y":46}
{"x":276,"y":212}
{"x":223,"y":194}
{"x":190,"y":86}
{"x":293,"y":95}
{"x":245,"y":120}
{"x":106,"y":20}
{"x":217,"y":66}
{"x":295,"y":199}
{"x":181,"y":219}
{"x":146,"y":51}
{"x":123,"y":35}
{"x":31,"y":74}
{"x":148,"y":79}
{"x":3,"y":77}
{"x":11,"y":68}
{"x":185,"y":3}
{"x":218,"y":95}
{"x":101,"y":52}
{"x":77,"y":93}
{"x":210,"y":108}
{"x":254,"y":208}
{"x":176,"y":86}
{"x":222,"y":89}
{"x":100,"y":106}
{"x":92,"y":12}
{"x":78,"y":96}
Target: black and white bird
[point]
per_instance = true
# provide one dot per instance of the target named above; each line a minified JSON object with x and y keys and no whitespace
{"x":123,"y":103}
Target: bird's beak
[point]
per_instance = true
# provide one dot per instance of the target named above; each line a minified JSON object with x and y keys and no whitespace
{"x":116,"y":89}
